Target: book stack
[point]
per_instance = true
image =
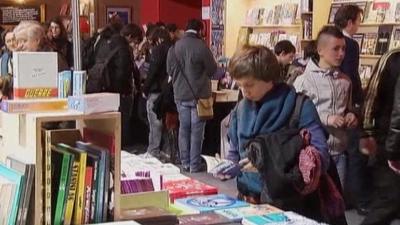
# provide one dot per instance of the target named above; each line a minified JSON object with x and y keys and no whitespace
{"x":16,"y":184}
{"x":237,"y":214}
{"x":187,"y":187}
{"x":150,"y":216}
{"x":94,"y":103}
{"x":279,"y":218}
{"x":77,"y":179}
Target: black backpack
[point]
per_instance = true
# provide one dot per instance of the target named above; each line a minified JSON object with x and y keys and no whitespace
{"x":99,"y":79}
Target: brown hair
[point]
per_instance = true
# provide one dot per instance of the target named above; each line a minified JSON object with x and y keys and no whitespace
{"x":255,"y":61}
{"x":346,"y":13}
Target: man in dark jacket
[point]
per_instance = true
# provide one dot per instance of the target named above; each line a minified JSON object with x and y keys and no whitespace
{"x":157,"y":77}
{"x":381,"y":138}
{"x":191,"y":65}
{"x":348,"y":19}
{"x":120,"y":67}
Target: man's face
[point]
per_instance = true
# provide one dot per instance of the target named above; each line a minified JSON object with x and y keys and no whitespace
{"x":253,"y":89}
{"x":26,"y":43}
{"x":286,"y":58}
{"x":354,"y":25}
{"x":332,"y":51}
{"x":10,"y":41}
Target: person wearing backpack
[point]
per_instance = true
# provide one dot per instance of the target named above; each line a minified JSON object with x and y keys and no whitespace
{"x":267,"y":109}
{"x":112,"y":72}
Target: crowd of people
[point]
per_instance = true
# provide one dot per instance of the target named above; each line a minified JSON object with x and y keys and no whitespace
{"x":305,"y":136}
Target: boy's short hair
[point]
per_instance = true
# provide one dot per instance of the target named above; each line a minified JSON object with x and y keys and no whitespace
{"x":284,"y":46}
{"x":346,"y":13}
{"x":132,"y":30}
{"x":194,"y":24}
{"x":329,"y":31}
{"x":171,"y":27}
{"x":255,"y":61}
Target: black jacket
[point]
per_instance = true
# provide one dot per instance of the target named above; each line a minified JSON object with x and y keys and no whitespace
{"x":157,"y":75}
{"x":393,"y":137}
{"x":120,"y":65}
{"x":350,"y":68}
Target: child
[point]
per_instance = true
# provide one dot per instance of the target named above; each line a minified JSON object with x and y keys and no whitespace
{"x":330,"y":90}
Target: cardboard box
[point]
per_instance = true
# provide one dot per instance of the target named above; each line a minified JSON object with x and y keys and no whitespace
{"x":226,"y":95}
{"x":94,"y":103}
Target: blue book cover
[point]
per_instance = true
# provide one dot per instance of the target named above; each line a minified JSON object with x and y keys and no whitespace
{"x":265,"y":219}
{"x":79,"y":83}
{"x":16,"y":178}
{"x":64,"y":84}
{"x":209,"y":203}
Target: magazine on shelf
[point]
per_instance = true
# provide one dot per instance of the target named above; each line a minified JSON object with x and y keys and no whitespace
{"x":365,"y":72}
{"x":359,"y":37}
{"x":395,"y":39}
{"x":369,"y":44}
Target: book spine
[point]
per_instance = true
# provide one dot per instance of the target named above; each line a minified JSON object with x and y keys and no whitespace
{"x":47,"y":186}
{"x":71,"y":193}
{"x":94,"y":192}
{"x":79,"y":200}
{"x":88,"y":191}
{"x":60,"y":203}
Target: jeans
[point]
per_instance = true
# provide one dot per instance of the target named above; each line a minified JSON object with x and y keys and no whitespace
{"x":191,"y":135}
{"x":155,"y":126}
{"x":341,"y":162}
{"x":358,"y":175}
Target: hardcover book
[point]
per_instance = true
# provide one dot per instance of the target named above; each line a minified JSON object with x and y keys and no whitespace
{"x":188,"y":187}
{"x":369,"y":43}
{"x":35,"y":74}
{"x":34,"y":105}
{"x":94,"y":103}
{"x":237,"y":214}
{"x":383,"y":41}
{"x":12,"y":176}
{"x":203,"y":219}
{"x":149,"y":215}
{"x":65,"y":84}
{"x":395,"y":39}
{"x":205,"y":204}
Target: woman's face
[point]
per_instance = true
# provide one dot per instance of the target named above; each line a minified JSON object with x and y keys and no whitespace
{"x":26,"y":43}
{"x":10,"y":41}
{"x":55,"y":30}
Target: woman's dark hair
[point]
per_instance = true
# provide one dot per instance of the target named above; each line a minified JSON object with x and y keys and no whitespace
{"x":255,"y":61}
{"x":346,"y":13}
{"x":132,"y":30}
{"x":171,"y":27}
{"x":63,"y":33}
{"x":159,"y":33}
{"x":310,"y":50}
{"x":285,"y":47}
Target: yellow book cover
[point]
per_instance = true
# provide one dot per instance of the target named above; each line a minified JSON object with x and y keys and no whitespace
{"x":81,"y":156}
{"x":71,"y":194}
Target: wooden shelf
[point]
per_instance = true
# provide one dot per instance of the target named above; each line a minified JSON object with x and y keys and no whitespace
{"x":370,"y":56}
{"x":377,"y":24}
{"x":274,"y":26}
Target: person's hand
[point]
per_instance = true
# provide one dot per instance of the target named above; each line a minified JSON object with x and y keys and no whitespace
{"x":368,"y":146}
{"x":351,"y":120}
{"x":336,"y":121}
{"x":226,"y":170}
{"x":247,"y":166}
{"x":395,"y":166}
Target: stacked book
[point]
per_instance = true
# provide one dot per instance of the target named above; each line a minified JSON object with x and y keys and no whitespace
{"x":150,"y":216}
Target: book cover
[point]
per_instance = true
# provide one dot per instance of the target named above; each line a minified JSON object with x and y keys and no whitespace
{"x":94,"y":103}
{"x":99,"y":190}
{"x":381,"y":9}
{"x":88,"y":192}
{"x":33,"y":105}
{"x":61,"y":164}
{"x":35,"y":75}
{"x":188,"y":187}
{"x":7,"y":192}
{"x":369,"y":43}
{"x":359,"y":37}
{"x":395,"y":39}
{"x":15,"y":178}
{"x":79,"y":83}
{"x":397,"y":13}
{"x":265,"y":219}
{"x":383,"y":41}
{"x":28,"y":170}
{"x":203,"y":219}
{"x":334,"y":8}
{"x":147,"y":215}
{"x":365,"y":72}
{"x":69,"y":207}
{"x":237,"y":214}
{"x":204,"y":204}
{"x":81,"y":157}
{"x":65,"y":84}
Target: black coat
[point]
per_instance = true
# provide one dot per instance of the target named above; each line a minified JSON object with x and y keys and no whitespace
{"x":157,"y":75}
{"x":350,"y":66}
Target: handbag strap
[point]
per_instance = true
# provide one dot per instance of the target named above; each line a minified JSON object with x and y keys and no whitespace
{"x":295,"y":117}
{"x":181,"y":69}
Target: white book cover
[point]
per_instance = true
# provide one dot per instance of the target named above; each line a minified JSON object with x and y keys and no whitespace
{"x":94,"y":103}
{"x":35,"y":74}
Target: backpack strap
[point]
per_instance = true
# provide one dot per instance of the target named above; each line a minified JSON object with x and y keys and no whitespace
{"x":295,"y":117}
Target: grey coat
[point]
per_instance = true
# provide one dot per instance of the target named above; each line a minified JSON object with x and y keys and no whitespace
{"x":197,"y":61}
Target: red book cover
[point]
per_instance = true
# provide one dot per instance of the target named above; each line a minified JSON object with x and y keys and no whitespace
{"x":88,"y":193}
{"x":188,"y":187}
{"x":105,"y":140}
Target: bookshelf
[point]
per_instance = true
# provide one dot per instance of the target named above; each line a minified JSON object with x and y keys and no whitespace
{"x":22,"y":134}
{"x":294,"y":26}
